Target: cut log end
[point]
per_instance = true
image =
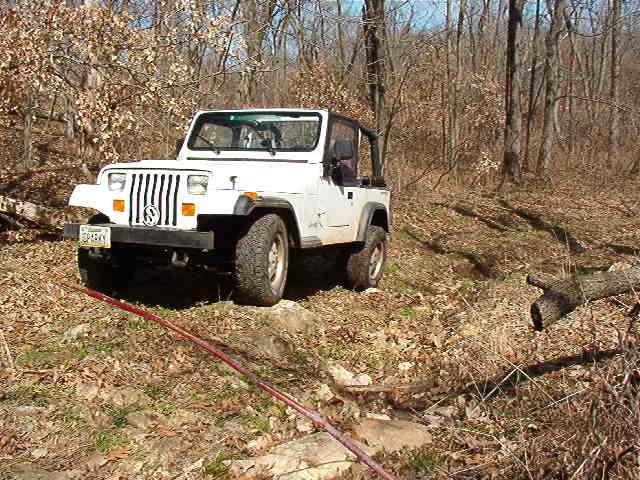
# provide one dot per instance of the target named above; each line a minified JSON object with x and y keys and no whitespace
{"x":561,"y":297}
{"x":536,"y":318}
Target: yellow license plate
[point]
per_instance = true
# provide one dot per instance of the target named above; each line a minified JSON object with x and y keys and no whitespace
{"x":94,"y":236}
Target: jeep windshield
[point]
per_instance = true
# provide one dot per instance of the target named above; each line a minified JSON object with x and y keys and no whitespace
{"x":244,"y":131}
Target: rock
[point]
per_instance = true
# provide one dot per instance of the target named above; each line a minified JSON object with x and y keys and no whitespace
{"x":76,"y":332}
{"x":304,"y":425}
{"x":405,"y":366}
{"x":125,"y":396}
{"x":619,"y":267}
{"x":28,"y":410}
{"x":95,"y":461}
{"x":324,"y":393}
{"x":259,"y":443}
{"x":130,"y":466}
{"x":377,"y":416}
{"x":274,"y":347}
{"x":87,"y":390}
{"x":235,"y":382}
{"x":162,"y":451}
{"x":392,"y":435}
{"x":433,"y":420}
{"x":75,"y":474}
{"x":295,"y":460}
{"x":362,"y":379}
{"x":39,"y":452}
{"x":340,"y":375}
{"x":96,"y":417}
{"x":145,"y":419}
{"x":233,"y":426}
{"x":29,"y":471}
{"x":288,"y":315}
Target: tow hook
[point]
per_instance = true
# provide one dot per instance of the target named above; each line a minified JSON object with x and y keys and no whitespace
{"x":179,"y":259}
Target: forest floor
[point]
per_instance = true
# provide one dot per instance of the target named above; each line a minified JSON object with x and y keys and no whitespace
{"x":93,"y":392}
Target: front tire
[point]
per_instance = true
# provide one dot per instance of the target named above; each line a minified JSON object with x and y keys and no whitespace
{"x":366,"y":265}
{"x":95,"y":273}
{"x":262,"y":262}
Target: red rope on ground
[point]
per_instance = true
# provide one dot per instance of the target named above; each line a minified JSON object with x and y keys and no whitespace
{"x":292,"y":402}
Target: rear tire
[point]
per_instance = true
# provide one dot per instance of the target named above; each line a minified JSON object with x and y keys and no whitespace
{"x":365,"y":265}
{"x":262,"y":262}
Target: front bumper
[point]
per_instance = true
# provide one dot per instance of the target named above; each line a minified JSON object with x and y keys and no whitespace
{"x":156,"y":236}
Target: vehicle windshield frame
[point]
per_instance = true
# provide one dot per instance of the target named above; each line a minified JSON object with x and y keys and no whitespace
{"x":266,"y":131}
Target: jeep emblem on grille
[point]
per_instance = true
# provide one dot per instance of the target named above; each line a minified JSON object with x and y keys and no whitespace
{"x":151,"y":215}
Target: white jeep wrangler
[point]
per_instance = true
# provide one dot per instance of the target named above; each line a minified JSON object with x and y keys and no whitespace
{"x":248,"y":188}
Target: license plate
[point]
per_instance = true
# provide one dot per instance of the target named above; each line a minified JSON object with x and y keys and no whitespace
{"x":94,"y":236}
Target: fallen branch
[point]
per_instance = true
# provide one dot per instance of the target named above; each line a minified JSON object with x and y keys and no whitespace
{"x":46,"y":216}
{"x":561,"y":297}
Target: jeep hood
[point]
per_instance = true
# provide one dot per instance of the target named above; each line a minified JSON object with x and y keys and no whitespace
{"x":254,"y":175}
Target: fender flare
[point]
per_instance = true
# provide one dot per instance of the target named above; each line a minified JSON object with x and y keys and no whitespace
{"x":368,"y":211}
{"x":245,"y":206}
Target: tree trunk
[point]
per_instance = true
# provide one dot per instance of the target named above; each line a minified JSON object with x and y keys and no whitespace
{"x":374,"y":29}
{"x":614,"y":115}
{"x":551,"y":77}
{"x":532,"y":89}
{"x":561,"y":297}
{"x":27,"y":133}
{"x":513,"y":117}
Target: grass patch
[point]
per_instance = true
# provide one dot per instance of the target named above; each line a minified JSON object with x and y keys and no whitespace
{"x":39,"y":357}
{"x":217,"y":468}
{"x":119,"y":414}
{"x":154,"y":391}
{"x":35,"y":395}
{"x":107,"y":440}
{"x":422,"y":462}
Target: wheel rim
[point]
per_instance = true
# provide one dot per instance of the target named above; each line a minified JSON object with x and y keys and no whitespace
{"x":276,"y":262}
{"x":375,"y":261}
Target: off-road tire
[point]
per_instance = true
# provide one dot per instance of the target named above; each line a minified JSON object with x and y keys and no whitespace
{"x":96,"y":274}
{"x":262,"y":262}
{"x":365,"y":265}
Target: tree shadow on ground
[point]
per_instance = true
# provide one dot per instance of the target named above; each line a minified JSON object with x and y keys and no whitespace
{"x":506,"y":384}
{"x":467,"y":212}
{"x":483,"y":265}
{"x":560,"y":233}
{"x":622,"y":249}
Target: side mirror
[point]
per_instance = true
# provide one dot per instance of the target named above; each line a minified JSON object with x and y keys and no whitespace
{"x":342,"y":150}
{"x":179,"y":143}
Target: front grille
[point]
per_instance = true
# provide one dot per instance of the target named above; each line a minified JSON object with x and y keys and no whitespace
{"x":158,"y":189}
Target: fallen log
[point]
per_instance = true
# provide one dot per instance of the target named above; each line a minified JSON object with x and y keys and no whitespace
{"x":561,"y":297}
{"x":46,"y":216}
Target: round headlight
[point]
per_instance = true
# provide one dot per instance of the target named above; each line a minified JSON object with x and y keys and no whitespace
{"x":197,"y":184}
{"x":116,"y":181}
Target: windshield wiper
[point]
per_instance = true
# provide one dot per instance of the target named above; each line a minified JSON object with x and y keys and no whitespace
{"x":214,"y":148}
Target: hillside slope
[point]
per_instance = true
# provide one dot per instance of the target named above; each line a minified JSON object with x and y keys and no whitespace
{"x":98,"y":393}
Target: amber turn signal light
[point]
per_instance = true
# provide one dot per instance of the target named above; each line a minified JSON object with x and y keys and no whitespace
{"x":188,"y":209}
{"x":118,"y":205}
{"x":253,"y":195}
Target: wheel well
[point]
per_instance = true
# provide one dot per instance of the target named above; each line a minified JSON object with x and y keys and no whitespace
{"x":379,"y":219}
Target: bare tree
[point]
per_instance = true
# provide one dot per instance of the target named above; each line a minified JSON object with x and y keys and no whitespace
{"x":513,"y":123}
{"x":614,"y":127}
{"x":374,"y":25}
{"x":552,"y":41}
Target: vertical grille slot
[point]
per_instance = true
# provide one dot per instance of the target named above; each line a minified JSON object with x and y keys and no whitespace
{"x":158,"y":189}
